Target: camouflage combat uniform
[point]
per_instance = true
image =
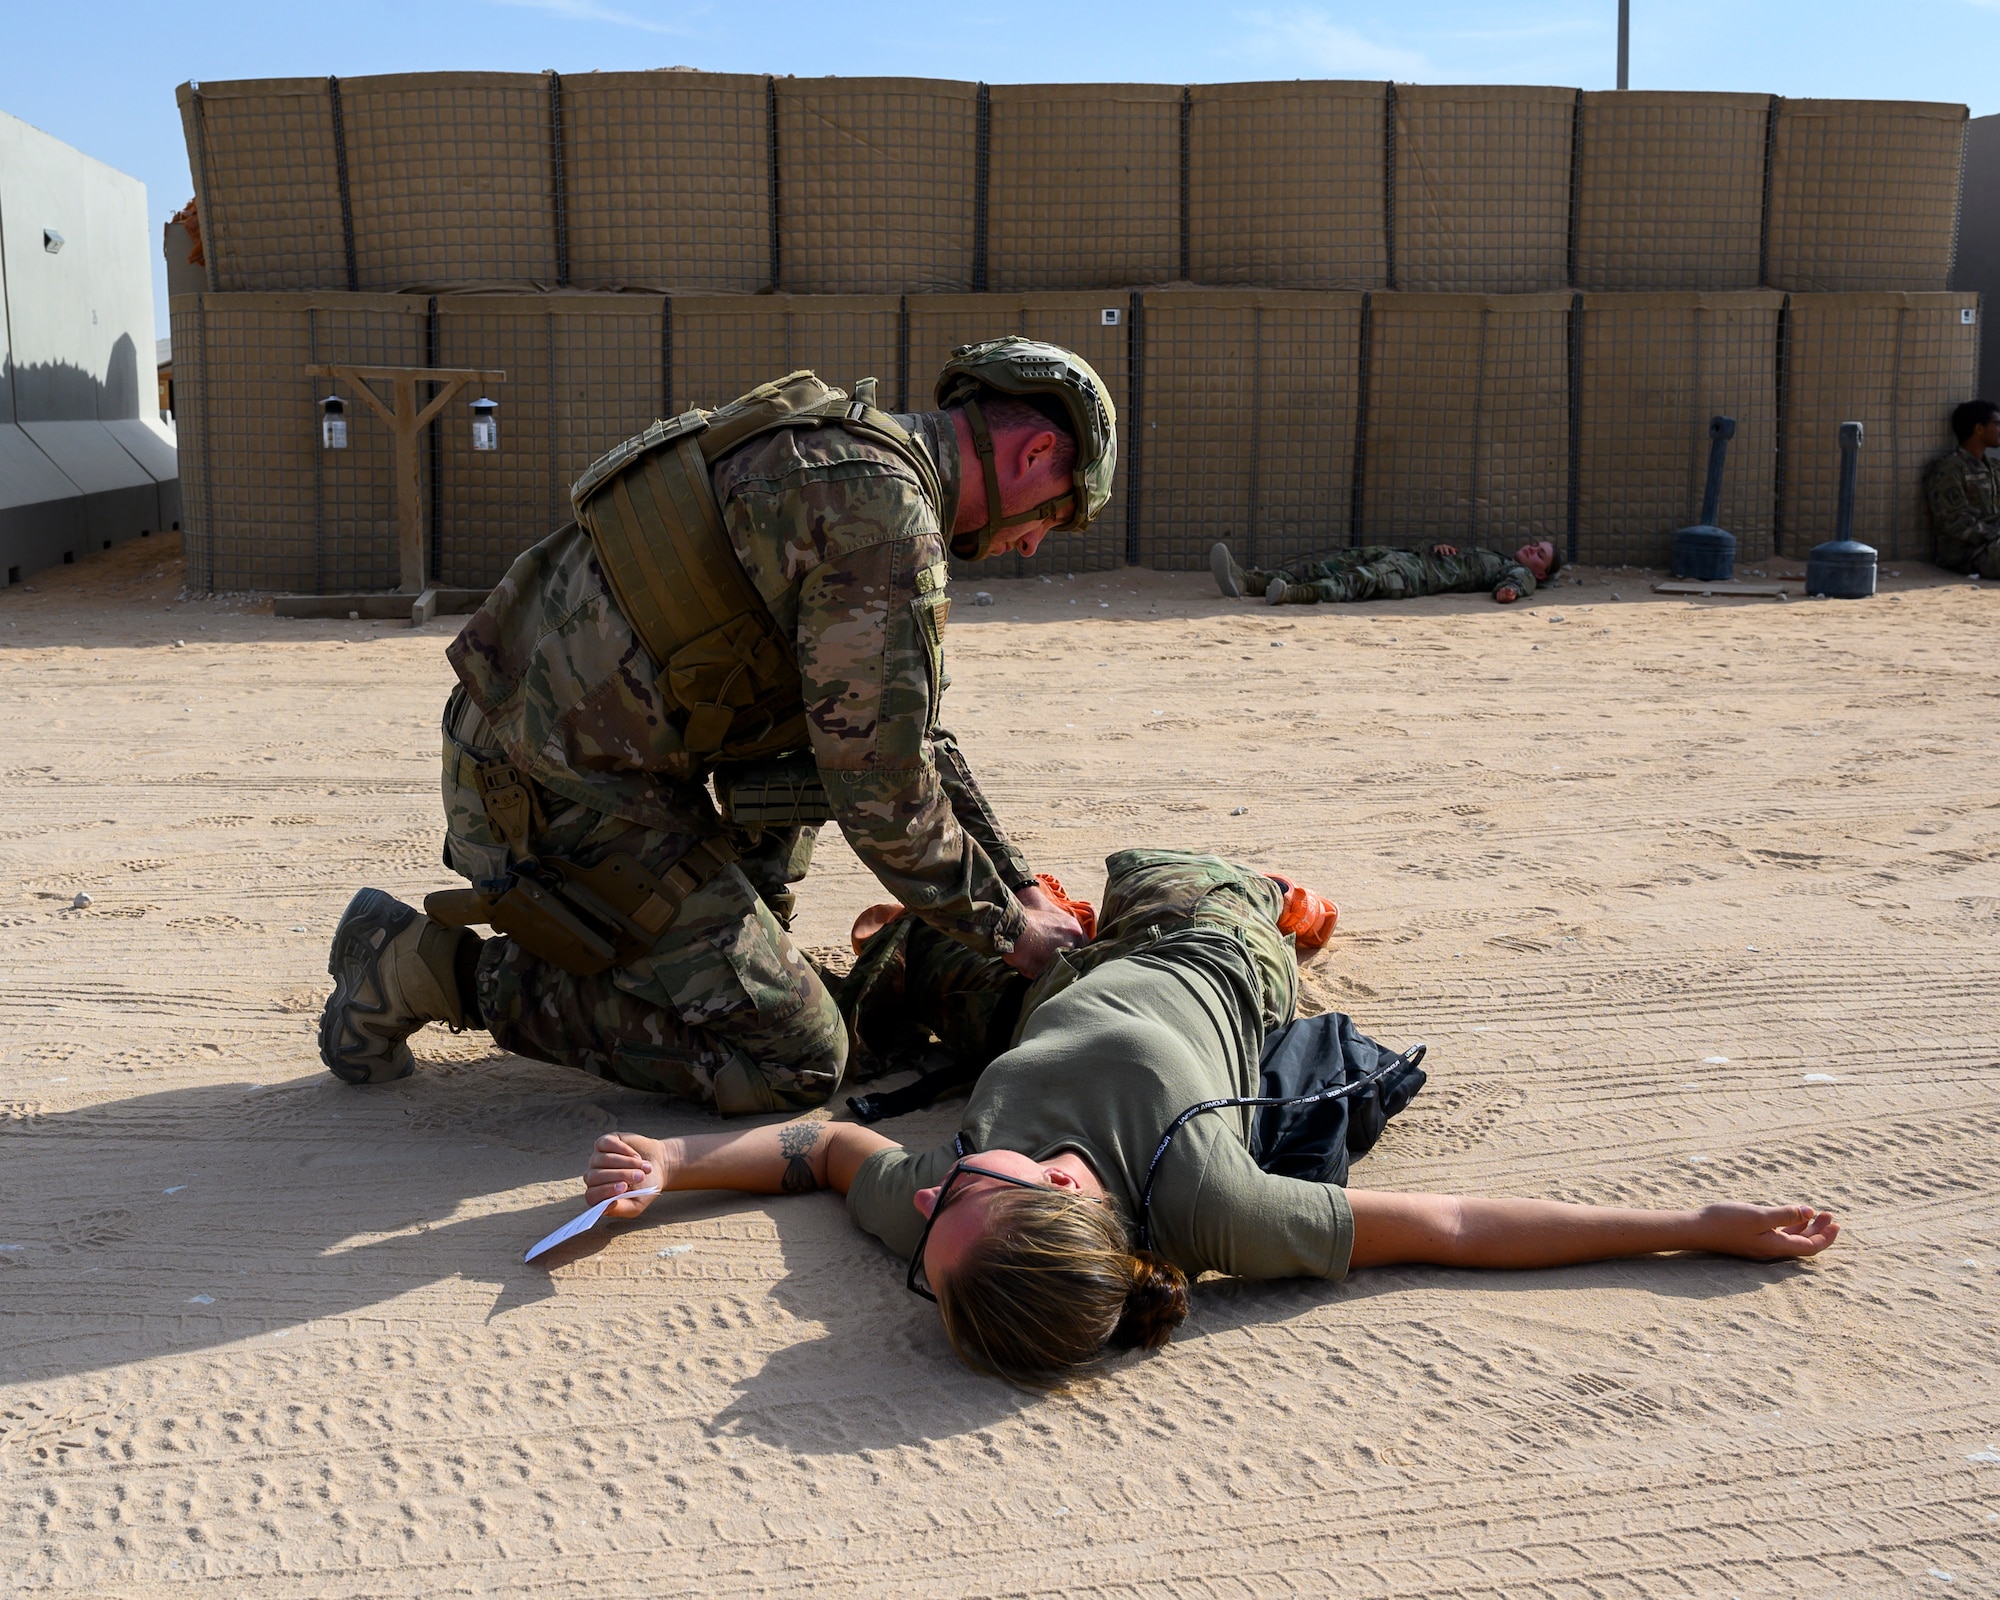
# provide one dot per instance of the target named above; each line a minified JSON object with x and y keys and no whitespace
{"x":1964,"y":496}
{"x":977,"y":1005}
{"x":848,"y":556}
{"x":1378,"y":572}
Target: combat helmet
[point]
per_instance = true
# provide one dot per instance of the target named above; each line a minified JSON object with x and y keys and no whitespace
{"x":1032,"y":370}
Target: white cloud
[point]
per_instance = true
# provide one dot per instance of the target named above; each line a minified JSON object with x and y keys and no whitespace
{"x":591,"y":11}
{"x":1311,"y":42}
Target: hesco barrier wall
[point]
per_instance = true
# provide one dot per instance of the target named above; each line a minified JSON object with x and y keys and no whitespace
{"x":1251,"y":404}
{"x":1863,"y":194}
{"x":1653,"y":369}
{"x":731,"y":183}
{"x":1466,"y":432}
{"x":1287,"y":185}
{"x":1895,"y":363}
{"x":666,"y":178}
{"x":1283,"y":421}
{"x":1482,"y":199}
{"x":1330,"y":312}
{"x":1670,"y":190}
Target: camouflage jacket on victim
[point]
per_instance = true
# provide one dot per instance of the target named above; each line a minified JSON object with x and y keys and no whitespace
{"x":847,"y":554}
{"x":1386,"y":572}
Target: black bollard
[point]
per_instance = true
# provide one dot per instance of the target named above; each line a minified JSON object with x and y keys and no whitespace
{"x":1843,"y":568}
{"x":1705,"y":552}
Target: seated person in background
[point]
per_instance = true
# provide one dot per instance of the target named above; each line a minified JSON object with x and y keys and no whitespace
{"x":1379,"y":572}
{"x":1963,"y":490}
{"x":1061,"y":1222}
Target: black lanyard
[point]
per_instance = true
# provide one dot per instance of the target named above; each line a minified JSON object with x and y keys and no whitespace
{"x":1409,"y":1058}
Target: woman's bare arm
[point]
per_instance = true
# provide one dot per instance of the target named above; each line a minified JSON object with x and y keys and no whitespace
{"x":1459,"y":1231}
{"x":778,"y":1158}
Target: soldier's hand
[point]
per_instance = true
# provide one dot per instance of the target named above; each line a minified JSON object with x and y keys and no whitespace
{"x":1506,"y":596}
{"x":1444,"y":549}
{"x":1049,"y":929}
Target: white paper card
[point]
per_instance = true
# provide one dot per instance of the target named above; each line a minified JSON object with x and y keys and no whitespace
{"x":583,"y":1224}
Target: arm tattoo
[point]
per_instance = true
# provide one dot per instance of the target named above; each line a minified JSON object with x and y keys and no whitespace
{"x":796,"y":1143}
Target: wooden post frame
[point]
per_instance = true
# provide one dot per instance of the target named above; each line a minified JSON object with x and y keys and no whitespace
{"x":407,"y":421}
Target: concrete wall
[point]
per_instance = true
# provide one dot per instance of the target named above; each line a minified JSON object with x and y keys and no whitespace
{"x":1979,"y":242}
{"x":85,"y":461}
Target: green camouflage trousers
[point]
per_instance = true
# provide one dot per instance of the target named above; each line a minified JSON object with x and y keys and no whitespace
{"x":977,"y":1005}
{"x":723,"y":1010}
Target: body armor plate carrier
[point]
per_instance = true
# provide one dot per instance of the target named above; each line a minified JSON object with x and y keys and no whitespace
{"x":649,"y":507}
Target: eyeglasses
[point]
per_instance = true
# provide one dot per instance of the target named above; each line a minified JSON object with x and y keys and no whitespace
{"x":918,"y":1284}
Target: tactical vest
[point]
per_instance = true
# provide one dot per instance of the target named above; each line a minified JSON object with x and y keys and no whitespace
{"x":649,"y":507}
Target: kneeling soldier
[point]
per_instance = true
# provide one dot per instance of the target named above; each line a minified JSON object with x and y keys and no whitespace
{"x":753,"y":596}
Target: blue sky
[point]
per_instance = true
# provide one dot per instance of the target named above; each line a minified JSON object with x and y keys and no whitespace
{"x":101,"y":73}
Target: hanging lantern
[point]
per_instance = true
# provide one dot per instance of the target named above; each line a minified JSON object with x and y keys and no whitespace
{"x":485,"y":425}
{"x":333,"y":423}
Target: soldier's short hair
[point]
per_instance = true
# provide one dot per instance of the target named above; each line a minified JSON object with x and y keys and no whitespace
{"x":1006,"y":413}
{"x":1973,"y":414}
{"x":1555,"y":555}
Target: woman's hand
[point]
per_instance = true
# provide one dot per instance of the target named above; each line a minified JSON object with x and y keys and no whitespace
{"x":1506,"y":594}
{"x":1767,"y":1233}
{"x":620,"y":1163}
{"x":1446,"y":550}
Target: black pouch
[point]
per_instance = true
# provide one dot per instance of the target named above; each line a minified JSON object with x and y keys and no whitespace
{"x":1312,"y":1135}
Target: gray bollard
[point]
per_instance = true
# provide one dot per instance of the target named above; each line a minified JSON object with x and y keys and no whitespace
{"x":1843,"y":568}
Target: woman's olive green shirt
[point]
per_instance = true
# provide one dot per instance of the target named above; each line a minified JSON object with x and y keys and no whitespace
{"x":1102,"y":1069}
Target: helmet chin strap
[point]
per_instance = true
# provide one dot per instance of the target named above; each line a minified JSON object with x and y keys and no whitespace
{"x":975,"y":543}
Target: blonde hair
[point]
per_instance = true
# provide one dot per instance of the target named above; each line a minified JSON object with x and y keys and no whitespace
{"x":1052,"y":1284}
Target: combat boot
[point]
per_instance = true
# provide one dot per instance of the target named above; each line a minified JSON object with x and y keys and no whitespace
{"x":1235,"y":582}
{"x":1281,"y":593}
{"x":393,"y":970}
{"x":1229,"y":577}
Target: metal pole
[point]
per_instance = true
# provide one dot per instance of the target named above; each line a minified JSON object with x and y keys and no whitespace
{"x":1624,"y":44}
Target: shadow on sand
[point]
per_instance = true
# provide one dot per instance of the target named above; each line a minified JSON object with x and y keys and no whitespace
{"x":193,"y":1218}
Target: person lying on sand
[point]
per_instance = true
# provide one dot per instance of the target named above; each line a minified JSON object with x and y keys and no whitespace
{"x":1378,"y":572}
{"x":1061,"y":1223}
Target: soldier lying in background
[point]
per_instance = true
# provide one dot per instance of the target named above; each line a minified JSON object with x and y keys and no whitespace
{"x":1380,"y":572}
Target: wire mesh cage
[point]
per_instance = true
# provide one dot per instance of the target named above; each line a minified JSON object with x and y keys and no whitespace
{"x":583,"y":372}
{"x":452,"y":177}
{"x":878,"y":180}
{"x":265,"y":507}
{"x":1896,"y":363}
{"x":268,"y":173}
{"x":188,"y":324}
{"x":1083,"y":186}
{"x":1670,"y":190}
{"x":1466,"y":435}
{"x":1482,"y":200}
{"x":725,"y":345}
{"x":1864,"y":194}
{"x":1654,"y":368}
{"x":667,"y":180}
{"x":1096,"y":326}
{"x":1285,"y":184}
{"x":1251,"y":402}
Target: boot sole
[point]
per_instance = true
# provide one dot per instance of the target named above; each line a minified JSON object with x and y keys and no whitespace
{"x":1225,"y":577}
{"x":352,"y":964}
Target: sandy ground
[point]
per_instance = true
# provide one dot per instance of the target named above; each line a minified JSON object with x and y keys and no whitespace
{"x":1690,"y":900}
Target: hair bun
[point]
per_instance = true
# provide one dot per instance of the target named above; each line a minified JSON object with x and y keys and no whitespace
{"x":1155,"y":1305}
